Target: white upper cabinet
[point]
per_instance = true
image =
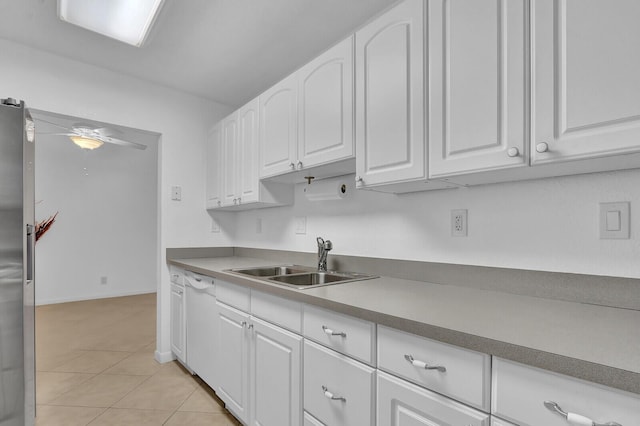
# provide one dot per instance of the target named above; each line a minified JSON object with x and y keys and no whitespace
{"x":306,"y":120}
{"x":478,"y":85}
{"x":325,"y":107}
{"x":278,"y":125}
{"x":587,"y":84}
{"x":390,"y":88}
{"x":214,"y":175}
{"x":247,"y":153}
{"x":229,"y":164}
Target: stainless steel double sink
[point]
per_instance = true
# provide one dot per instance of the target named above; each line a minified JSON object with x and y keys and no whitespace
{"x":300,"y":277}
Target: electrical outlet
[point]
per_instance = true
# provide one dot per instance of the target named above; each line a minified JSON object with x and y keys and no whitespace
{"x":215,"y":226}
{"x":103,"y":280}
{"x":459,"y":223}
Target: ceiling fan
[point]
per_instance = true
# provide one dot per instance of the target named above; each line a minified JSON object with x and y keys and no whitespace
{"x":89,"y":136}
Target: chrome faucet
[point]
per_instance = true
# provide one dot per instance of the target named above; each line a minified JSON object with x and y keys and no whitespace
{"x":323,"y":251}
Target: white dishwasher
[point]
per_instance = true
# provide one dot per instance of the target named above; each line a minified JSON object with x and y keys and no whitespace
{"x":201,"y":326}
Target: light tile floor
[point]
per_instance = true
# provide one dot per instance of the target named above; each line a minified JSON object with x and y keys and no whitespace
{"x":95,"y":366}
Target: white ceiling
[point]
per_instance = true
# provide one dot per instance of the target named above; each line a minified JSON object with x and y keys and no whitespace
{"x":228,"y":51}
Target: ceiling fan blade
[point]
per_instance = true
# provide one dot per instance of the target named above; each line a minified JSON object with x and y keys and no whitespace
{"x":53,"y":124}
{"x":55,"y":134}
{"x":108,"y":131}
{"x":121,"y":142}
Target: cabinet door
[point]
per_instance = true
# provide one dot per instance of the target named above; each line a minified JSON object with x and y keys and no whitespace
{"x":178,"y":338}
{"x":338,"y":390}
{"x":214,"y":175}
{"x":229,"y":160}
{"x":325,"y":108}
{"x":233,"y":362}
{"x":390,"y":114}
{"x":247,"y":153}
{"x":402,"y":404}
{"x":587,"y":89}
{"x":278,"y":138}
{"x":276,"y":372}
{"x":478,"y":55}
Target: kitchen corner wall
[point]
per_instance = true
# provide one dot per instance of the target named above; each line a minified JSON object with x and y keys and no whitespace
{"x":53,"y":83}
{"x":547,"y":224}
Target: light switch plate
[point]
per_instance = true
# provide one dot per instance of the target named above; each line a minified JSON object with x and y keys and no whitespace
{"x":301,"y":225}
{"x":615,"y":221}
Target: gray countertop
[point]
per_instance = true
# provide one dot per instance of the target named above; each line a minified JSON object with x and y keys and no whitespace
{"x":594,"y":343}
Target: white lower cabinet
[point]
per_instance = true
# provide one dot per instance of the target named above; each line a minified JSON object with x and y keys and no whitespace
{"x":309,"y":420}
{"x":178,"y":324}
{"x":276,"y":375}
{"x":401,"y":403}
{"x":233,"y":360}
{"x":499,"y":422}
{"x":259,"y":369}
{"x":529,"y":396}
{"x":337,"y":389}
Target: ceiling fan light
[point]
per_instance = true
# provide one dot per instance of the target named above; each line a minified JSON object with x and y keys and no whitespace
{"x":86,"y":143}
{"x":128,"y":21}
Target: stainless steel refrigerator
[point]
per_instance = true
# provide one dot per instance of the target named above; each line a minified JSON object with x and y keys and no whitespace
{"x":17,"y":244}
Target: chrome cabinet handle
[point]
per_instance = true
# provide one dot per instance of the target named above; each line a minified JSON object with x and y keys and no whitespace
{"x":219,"y":203}
{"x":542,"y":147}
{"x":197,"y":279}
{"x":292,"y":166}
{"x":359,"y":179}
{"x":575,"y":419}
{"x":243,"y":324}
{"x":239,"y":200}
{"x":513,"y":152}
{"x":299,"y":165}
{"x":422,"y":364}
{"x":330,"y":332}
{"x":331,"y":396}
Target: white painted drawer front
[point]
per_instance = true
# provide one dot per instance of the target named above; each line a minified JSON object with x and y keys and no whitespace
{"x":519,"y":393}
{"x":345,"y":334}
{"x":309,"y":420}
{"x":342,"y":377}
{"x":233,"y":295}
{"x":176,"y":275}
{"x":401,"y":403}
{"x":467,"y":375}
{"x":499,"y":422}
{"x":277,"y":310}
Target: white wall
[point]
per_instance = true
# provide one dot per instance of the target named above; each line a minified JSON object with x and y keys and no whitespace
{"x":549,"y":224}
{"x":106,"y":226}
{"x":57,"y":84}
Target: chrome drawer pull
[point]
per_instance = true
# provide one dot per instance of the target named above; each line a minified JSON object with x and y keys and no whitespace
{"x":575,"y":419}
{"x":332,"y":396}
{"x":330,"y":332}
{"x":422,"y":364}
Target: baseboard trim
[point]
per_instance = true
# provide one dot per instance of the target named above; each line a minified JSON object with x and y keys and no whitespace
{"x":163,"y":357}
{"x":93,"y":297}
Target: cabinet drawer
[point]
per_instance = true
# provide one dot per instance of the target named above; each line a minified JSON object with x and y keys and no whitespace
{"x":328,"y":374}
{"x":176,"y":275}
{"x":277,"y":310}
{"x":233,"y":295}
{"x":345,"y":334}
{"x":519,"y":393}
{"x":400,"y":402}
{"x":309,"y":420}
{"x":466,"y":376}
{"x":499,"y":422}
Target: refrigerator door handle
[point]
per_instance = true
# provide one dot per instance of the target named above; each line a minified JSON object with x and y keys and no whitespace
{"x":31,"y":248}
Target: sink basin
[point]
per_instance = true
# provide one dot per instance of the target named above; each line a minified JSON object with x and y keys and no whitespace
{"x":300,"y":277}
{"x":271,"y":271}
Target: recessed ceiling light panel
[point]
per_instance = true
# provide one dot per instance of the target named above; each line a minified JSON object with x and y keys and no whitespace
{"x":126,"y":20}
